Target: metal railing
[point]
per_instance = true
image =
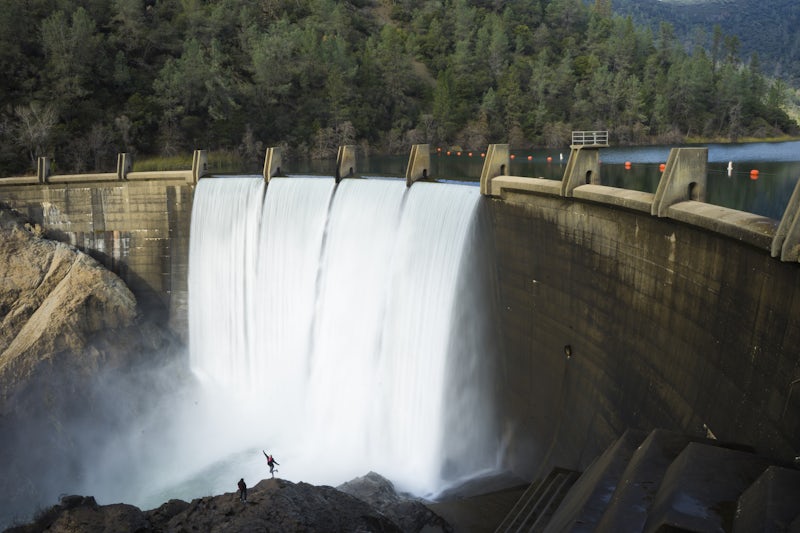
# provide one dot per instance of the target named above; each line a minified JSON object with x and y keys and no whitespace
{"x":583,"y":138}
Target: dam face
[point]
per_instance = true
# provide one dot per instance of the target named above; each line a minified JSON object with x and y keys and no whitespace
{"x":614,"y":318}
{"x":610,"y":317}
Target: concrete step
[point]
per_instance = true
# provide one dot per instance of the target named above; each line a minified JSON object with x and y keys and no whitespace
{"x":675,"y":482}
{"x":480,"y":503}
{"x":585,"y":504}
{"x":480,"y":513}
{"x":536,"y":506}
{"x":771,"y":504}
{"x":630,"y":504}
{"x":700,"y":489}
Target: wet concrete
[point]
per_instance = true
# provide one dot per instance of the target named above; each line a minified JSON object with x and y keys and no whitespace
{"x":613,"y":318}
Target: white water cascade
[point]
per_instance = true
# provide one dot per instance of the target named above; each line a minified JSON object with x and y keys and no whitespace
{"x":345,"y":321}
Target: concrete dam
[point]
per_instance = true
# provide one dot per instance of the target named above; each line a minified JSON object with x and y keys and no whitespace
{"x":618,"y":310}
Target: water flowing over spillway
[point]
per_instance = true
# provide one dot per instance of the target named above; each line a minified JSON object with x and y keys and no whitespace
{"x":347,"y":323}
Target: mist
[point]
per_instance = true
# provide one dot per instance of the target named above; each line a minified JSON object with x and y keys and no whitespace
{"x":342,"y":330}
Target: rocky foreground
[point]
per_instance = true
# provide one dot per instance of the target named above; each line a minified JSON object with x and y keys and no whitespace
{"x":364,"y":504}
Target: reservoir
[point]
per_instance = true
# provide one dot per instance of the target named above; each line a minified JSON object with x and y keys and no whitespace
{"x":778,"y":165}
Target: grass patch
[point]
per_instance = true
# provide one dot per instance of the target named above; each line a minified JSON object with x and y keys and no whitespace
{"x":226,"y":161}
{"x":152,"y":164}
{"x":222,"y":161}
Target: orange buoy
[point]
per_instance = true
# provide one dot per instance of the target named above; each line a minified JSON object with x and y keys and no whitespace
{"x":754,"y":174}
{"x":549,"y":159}
{"x":448,"y":152}
{"x":512,"y":156}
{"x":530,"y":158}
{"x":469,"y":154}
{"x":627,"y":165}
{"x":483,"y":154}
{"x":661,"y":167}
{"x":458,"y":154}
{"x":439,"y":149}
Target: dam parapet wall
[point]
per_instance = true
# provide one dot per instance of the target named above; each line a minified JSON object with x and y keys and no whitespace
{"x":135,"y":223}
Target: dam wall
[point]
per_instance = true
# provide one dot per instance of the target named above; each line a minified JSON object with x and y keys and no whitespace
{"x":618,"y":308}
{"x":135,"y":223}
{"x":614,"y":317}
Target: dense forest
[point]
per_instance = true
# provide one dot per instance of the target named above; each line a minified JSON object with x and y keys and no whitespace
{"x":85,"y":79}
{"x":767,"y":28}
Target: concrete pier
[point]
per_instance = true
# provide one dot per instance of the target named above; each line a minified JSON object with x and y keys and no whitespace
{"x":345,"y":162}
{"x":684,"y":178}
{"x":272,"y":163}
{"x":583,"y":168}
{"x":497,"y":163}
{"x":419,"y":164}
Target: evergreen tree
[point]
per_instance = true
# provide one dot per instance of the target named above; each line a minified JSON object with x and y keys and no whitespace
{"x":168,"y":76}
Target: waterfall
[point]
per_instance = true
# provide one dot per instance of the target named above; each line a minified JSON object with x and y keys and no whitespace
{"x":225,"y":223}
{"x":335,"y":313}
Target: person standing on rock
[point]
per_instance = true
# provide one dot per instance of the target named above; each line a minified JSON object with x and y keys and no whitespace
{"x":242,"y":491}
{"x":271,"y":462}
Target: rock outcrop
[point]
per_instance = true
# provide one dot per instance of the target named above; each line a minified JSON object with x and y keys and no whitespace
{"x":66,"y":324}
{"x":58,"y":303}
{"x":273,"y":505}
{"x":409,"y":514}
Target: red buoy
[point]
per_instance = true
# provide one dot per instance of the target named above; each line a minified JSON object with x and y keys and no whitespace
{"x":627,"y":165}
{"x":661,"y":167}
{"x":754,"y":174}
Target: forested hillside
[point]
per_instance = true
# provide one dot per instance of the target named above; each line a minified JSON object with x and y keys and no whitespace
{"x":766,"y":28}
{"x":85,"y":79}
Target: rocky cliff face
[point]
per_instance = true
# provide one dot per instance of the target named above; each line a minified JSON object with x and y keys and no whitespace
{"x":66,"y":323}
{"x":55,"y":303}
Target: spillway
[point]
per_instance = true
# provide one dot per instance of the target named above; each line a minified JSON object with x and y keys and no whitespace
{"x":344,"y":318}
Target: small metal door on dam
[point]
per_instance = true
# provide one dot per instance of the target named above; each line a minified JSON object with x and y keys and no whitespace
{"x":618,"y":308}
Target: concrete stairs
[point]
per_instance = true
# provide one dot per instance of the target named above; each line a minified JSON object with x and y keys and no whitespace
{"x":535,"y":508}
{"x":663,"y":481}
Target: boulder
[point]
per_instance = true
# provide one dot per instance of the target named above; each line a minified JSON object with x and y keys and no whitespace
{"x":409,"y":513}
{"x":58,"y":303}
